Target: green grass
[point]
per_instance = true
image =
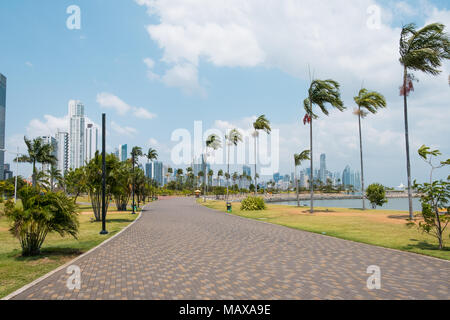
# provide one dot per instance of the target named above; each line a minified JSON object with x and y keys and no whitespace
{"x":385,"y":228}
{"x":17,"y":271}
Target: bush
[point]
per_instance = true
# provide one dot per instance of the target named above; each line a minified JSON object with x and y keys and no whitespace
{"x":253,"y":204}
{"x":376,"y":194}
{"x":41,"y":214}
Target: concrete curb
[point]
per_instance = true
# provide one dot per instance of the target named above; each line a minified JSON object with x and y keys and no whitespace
{"x":28,"y":286}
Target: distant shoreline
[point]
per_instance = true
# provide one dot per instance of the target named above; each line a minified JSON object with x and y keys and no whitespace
{"x":320,"y":196}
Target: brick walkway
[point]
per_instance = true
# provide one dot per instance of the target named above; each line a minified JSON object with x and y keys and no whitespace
{"x":180,"y":250}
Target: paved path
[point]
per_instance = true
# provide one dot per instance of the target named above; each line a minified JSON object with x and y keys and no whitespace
{"x":180,"y":250}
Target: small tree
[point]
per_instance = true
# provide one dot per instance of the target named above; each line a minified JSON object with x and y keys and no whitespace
{"x":435,"y":195}
{"x":40,"y":215}
{"x":376,"y":194}
{"x":75,"y":182}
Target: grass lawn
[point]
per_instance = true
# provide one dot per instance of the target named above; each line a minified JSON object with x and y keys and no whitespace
{"x":385,"y":228}
{"x":17,"y":271}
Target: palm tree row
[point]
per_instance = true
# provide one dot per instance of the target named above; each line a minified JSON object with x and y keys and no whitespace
{"x":422,"y":50}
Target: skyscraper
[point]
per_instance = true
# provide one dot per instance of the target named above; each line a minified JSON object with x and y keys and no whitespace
{"x":155,"y":170}
{"x":346,"y":176}
{"x":123,"y":152}
{"x":62,"y":142}
{"x":323,"y":168}
{"x":2,"y":123}
{"x":51,"y":141}
{"x":199,"y":165}
{"x":247,"y":170}
{"x":91,"y":141}
{"x":77,"y":142}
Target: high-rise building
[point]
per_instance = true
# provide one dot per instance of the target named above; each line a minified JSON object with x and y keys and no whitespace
{"x":77,"y":142}
{"x":62,"y":142}
{"x":247,"y":170}
{"x":276,"y":177}
{"x":8,"y":174}
{"x":91,"y":141}
{"x":323,"y":168}
{"x":123,"y":152}
{"x":200,"y":165}
{"x":2,"y":123}
{"x":51,"y":141}
{"x":347,"y":176}
{"x":155,"y":170}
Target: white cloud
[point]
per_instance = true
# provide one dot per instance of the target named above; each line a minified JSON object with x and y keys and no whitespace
{"x":49,"y":126}
{"x":143,"y":113}
{"x":150,"y":65}
{"x":28,"y":64}
{"x":288,"y":35}
{"x":127,"y":131}
{"x":109,"y":100}
{"x":184,"y":76}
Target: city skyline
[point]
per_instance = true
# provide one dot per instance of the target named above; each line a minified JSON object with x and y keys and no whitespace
{"x":146,"y":112}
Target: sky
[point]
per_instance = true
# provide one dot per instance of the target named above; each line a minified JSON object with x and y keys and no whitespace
{"x":155,"y":67}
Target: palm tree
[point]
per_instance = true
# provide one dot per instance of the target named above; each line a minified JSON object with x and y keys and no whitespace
{"x":152,"y":155}
{"x":368,"y":102}
{"x":55,"y":177}
{"x":38,"y":152}
{"x":227,"y":177}
{"x":213,"y":142}
{"x":421,"y":50}
{"x":233,"y":138}
{"x":298,"y":159}
{"x":320,"y":93}
{"x":180,"y":176}
{"x":210,"y":175}
{"x":136,"y":152}
{"x":169,"y":172}
{"x":219,"y":174}
{"x":235,"y":177}
{"x":260,"y":124}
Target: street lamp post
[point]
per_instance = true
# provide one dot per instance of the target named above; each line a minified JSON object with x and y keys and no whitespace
{"x":104,"y":232}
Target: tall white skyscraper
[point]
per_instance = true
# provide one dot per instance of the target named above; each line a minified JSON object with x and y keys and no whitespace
{"x":91,"y":141}
{"x":77,"y":143}
{"x":51,"y":141}
{"x":62,"y":142}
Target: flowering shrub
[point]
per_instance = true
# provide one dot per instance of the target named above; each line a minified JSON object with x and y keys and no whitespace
{"x":253,"y":204}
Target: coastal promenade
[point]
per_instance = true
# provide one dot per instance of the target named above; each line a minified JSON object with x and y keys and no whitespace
{"x":179,"y":249}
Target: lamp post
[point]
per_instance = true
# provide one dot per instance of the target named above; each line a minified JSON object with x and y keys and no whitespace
{"x":104,"y":232}
{"x":132,"y":160}
{"x":17,"y":170}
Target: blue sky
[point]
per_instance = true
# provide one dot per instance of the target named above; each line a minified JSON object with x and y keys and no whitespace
{"x":257,"y":66}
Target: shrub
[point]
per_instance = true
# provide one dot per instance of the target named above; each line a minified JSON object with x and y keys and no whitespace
{"x":41,"y":214}
{"x":253,"y":204}
{"x":376,"y":194}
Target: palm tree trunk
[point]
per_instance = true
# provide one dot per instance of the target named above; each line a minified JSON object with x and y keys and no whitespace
{"x":408,"y":161}
{"x":204,"y":177}
{"x":228,"y":165}
{"x":362,"y":166}
{"x":133,"y":191}
{"x":311,"y":174}
{"x":296,"y":186}
{"x":34,"y":175}
{"x":256,"y":183}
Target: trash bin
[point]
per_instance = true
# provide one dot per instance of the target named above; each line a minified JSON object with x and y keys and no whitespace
{"x":229,"y":207}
